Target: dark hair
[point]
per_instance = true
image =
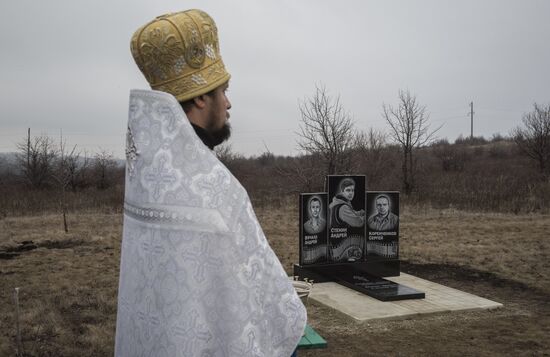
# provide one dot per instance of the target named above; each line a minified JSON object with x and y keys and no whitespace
{"x":345,"y":183}
{"x":189,"y":103}
{"x":383,"y":196}
{"x":313,"y":200}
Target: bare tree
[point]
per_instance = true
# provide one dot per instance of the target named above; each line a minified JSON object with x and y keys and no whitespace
{"x":370,"y":149}
{"x":104,"y":164}
{"x":61,"y":176}
{"x":534,"y":137}
{"x":225,"y":153}
{"x":77,"y":168}
{"x":326,"y":130}
{"x":68,"y":167}
{"x":410,"y":130}
{"x":231,"y":159}
{"x":36,"y":158}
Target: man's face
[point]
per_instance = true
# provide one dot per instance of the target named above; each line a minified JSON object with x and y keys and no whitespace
{"x":382,"y":206}
{"x":218,"y":115}
{"x":315,"y":208}
{"x":349,"y":192}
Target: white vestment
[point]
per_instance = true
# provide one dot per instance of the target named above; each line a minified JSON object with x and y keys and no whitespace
{"x":197,"y":276}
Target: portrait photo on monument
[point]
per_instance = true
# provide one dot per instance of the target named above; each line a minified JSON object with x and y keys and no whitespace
{"x":313,"y":228}
{"x":346,"y":217}
{"x":383,"y":224}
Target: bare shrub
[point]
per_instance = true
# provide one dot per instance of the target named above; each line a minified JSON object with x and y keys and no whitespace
{"x":500,"y":149}
{"x":228,"y":157}
{"x":17,"y":200}
{"x":533,"y":138}
{"x":497,"y":137}
{"x":369,"y":154}
{"x":103,"y":166}
{"x":452,"y":157}
{"x":301,"y":174}
{"x":77,"y":167}
{"x":36,"y":158}
{"x":476,"y":140}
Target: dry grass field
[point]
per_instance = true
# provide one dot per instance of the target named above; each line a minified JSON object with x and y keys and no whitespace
{"x":69,"y":284}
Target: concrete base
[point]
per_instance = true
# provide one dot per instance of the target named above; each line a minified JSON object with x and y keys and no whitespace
{"x":360,"y":307}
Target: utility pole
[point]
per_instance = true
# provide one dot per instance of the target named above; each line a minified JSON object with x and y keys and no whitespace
{"x":471,"y":120}
{"x":28,"y":149}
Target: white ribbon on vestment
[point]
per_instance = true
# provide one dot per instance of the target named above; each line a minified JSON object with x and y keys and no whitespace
{"x":197,"y":275}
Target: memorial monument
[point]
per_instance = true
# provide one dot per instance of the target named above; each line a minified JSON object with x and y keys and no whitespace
{"x":351,"y":236}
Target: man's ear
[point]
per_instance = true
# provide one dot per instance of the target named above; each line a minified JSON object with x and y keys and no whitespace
{"x":200,"y":101}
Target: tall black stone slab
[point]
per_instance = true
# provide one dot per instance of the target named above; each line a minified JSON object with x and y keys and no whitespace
{"x":382,"y":226}
{"x":346,"y":218}
{"x":313,"y":228}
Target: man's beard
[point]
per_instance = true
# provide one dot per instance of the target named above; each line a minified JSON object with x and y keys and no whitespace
{"x":218,"y":136}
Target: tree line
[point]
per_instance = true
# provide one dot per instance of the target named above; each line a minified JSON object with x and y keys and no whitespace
{"x":44,"y":163}
{"x":327,"y":130}
{"x":503,"y":173}
{"x":46,"y":175}
{"x":471,"y":173}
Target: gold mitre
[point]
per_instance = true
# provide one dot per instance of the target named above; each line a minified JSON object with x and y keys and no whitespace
{"x":179,"y":53}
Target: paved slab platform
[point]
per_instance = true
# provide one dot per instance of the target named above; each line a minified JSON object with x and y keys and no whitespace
{"x":360,"y":307}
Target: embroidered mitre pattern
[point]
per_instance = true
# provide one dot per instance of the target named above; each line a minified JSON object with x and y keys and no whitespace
{"x":179,"y":54}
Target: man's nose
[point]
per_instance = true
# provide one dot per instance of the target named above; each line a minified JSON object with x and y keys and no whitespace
{"x":228,"y":105}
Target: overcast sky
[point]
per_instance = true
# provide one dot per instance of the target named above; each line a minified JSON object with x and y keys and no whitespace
{"x":66,"y":64}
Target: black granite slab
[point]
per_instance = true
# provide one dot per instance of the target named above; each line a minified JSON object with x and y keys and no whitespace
{"x":347,"y":275}
{"x":376,"y":267}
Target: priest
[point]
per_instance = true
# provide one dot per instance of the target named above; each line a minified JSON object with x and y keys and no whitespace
{"x":197,"y":275}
